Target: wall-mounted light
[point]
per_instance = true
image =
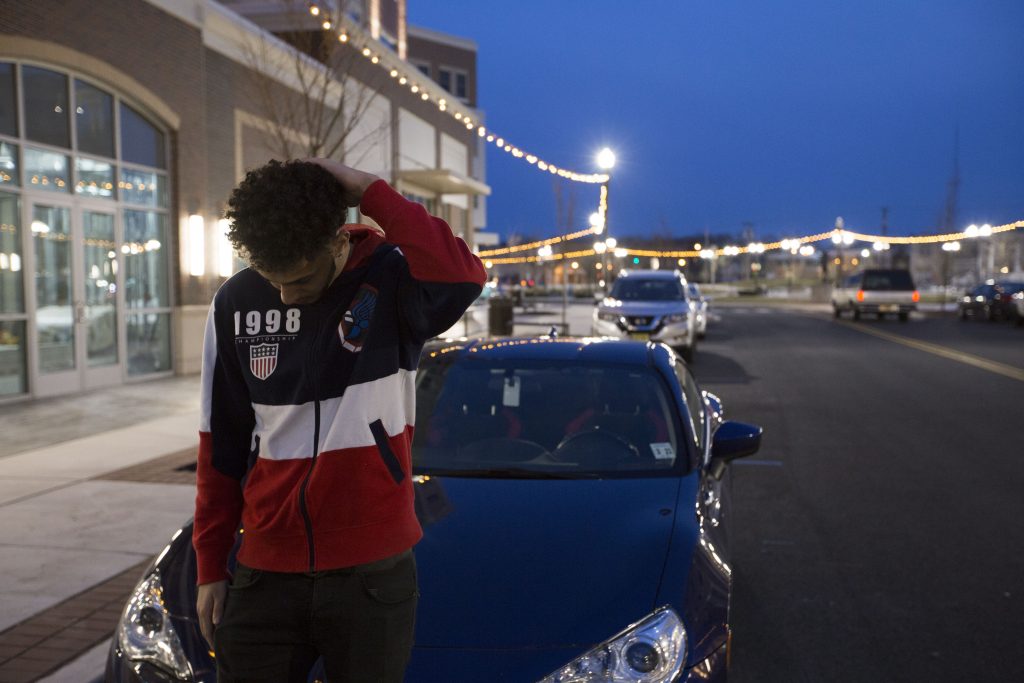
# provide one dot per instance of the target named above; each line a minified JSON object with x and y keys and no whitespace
{"x":196,"y":245}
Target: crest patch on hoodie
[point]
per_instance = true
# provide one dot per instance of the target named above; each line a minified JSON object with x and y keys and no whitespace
{"x":356,"y":323}
{"x":262,"y":360}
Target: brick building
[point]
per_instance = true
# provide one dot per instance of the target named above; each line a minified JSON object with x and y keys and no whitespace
{"x":123,"y":128}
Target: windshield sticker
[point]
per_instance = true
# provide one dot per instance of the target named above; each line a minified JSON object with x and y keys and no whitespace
{"x":510,"y":396}
{"x":663,"y":451}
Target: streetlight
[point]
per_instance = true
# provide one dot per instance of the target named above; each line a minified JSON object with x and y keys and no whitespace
{"x":606,"y":162}
{"x":984,"y":231}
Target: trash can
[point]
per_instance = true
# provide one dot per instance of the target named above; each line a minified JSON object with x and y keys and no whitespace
{"x":499,"y":316}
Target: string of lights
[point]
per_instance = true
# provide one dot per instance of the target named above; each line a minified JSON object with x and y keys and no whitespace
{"x":422,"y":86}
{"x":539,"y":243}
{"x":793,"y":244}
{"x":397,"y":69}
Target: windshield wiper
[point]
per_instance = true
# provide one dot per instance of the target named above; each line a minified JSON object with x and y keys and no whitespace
{"x":506,"y":473}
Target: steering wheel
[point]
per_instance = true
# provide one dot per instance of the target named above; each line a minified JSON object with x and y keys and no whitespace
{"x":593,"y":445}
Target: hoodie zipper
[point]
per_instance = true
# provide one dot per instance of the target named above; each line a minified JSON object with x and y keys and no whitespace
{"x":306,"y":518}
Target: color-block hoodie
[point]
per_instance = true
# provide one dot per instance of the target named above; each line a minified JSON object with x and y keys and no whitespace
{"x":308,"y":410}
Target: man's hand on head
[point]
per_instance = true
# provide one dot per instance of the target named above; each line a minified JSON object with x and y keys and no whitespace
{"x":353,"y":182}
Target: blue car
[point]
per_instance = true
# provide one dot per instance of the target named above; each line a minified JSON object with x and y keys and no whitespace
{"x":574,"y":496}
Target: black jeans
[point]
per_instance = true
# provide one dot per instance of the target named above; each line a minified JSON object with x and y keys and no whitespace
{"x":359,"y":619}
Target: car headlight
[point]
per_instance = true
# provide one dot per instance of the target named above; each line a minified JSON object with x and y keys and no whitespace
{"x":145,"y":632}
{"x":610,"y":317}
{"x":652,"y":650}
{"x":676,"y":318}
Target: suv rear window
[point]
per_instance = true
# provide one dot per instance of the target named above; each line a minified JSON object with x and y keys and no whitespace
{"x":887,"y":280}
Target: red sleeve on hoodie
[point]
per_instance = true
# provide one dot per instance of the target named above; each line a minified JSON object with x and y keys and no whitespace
{"x":432,"y":250}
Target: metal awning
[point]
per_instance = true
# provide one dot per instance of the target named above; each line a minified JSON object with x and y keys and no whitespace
{"x":443,"y":181}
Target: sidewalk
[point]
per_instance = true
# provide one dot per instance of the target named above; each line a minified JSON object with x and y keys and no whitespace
{"x":89,"y":493}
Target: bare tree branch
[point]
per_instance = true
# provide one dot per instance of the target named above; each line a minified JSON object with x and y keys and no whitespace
{"x":331,"y":105}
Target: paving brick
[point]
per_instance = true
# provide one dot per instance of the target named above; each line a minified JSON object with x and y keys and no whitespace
{"x":70,"y":641}
{"x":27,"y":629}
{"x":47,"y":620}
{"x":23,"y":639}
{"x":82,"y":632}
{"x":55,"y":655}
{"x":21,"y":669}
{"x":69,"y":610}
{"x":7,"y":651}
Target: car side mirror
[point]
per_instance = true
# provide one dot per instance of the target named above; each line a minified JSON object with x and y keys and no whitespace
{"x":733,"y":440}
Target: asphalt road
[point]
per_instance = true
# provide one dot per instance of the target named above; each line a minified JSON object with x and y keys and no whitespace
{"x":879,"y":533}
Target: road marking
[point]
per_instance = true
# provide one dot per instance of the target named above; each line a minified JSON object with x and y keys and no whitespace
{"x":959,"y":356}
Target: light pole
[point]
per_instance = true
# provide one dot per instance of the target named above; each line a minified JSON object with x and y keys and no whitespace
{"x":950,"y":248}
{"x":840,"y":238}
{"x":606,"y":162}
{"x":600,"y":248}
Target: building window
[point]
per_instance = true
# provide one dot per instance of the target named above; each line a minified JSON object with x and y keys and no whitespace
{"x":9,"y":175}
{"x":141,"y":142}
{"x":46,"y":106}
{"x":95,"y":178}
{"x":47,"y":170}
{"x":94,"y":119}
{"x":8,"y":112}
{"x":424,"y":67}
{"x":454,"y":81}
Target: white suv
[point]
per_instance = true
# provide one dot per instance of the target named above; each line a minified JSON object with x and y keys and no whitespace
{"x":649,"y":305}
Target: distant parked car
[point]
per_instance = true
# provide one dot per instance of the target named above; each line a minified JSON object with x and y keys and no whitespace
{"x":574,"y":496}
{"x":877,"y":291}
{"x":991,"y":301}
{"x":649,"y":305}
{"x":700,"y":304}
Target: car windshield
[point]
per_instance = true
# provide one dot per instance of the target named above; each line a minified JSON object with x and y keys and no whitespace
{"x":636,"y":289}
{"x":887,"y":279}
{"x":1012,"y":287}
{"x":542,"y":420}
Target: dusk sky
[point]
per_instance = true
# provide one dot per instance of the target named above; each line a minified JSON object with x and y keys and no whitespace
{"x":784,"y":114}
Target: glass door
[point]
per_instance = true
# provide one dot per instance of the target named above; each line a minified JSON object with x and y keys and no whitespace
{"x":55,"y":360}
{"x":96,"y":296}
{"x":76,"y":292}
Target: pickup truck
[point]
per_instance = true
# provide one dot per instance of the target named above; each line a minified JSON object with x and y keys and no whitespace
{"x":878,"y":291}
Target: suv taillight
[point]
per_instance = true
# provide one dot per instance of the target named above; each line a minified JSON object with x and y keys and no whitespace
{"x":860,"y":295}
{"x":916,"y":297}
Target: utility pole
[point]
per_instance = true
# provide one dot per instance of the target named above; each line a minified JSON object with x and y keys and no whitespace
{"x":949,"y":217}
{"x":748,"y":260}
{"x":885,"y":231}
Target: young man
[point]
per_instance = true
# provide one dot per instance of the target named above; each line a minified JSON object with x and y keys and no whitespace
{"x":307,"y":417}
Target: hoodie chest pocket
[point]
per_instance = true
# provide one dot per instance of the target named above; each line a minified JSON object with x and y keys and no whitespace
{"x":380,"y":436}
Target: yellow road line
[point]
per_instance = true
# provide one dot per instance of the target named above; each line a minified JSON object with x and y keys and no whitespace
{"x":959,"y":356}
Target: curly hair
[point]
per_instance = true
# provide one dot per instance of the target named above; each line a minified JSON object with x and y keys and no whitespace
{"x":282,"y":213}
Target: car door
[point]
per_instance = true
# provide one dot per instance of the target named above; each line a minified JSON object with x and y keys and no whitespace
{"x":710,"y":585}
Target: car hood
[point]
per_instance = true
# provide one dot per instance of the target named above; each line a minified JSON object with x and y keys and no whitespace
{"x":514,"y":563}
{"x":645,"y":307}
